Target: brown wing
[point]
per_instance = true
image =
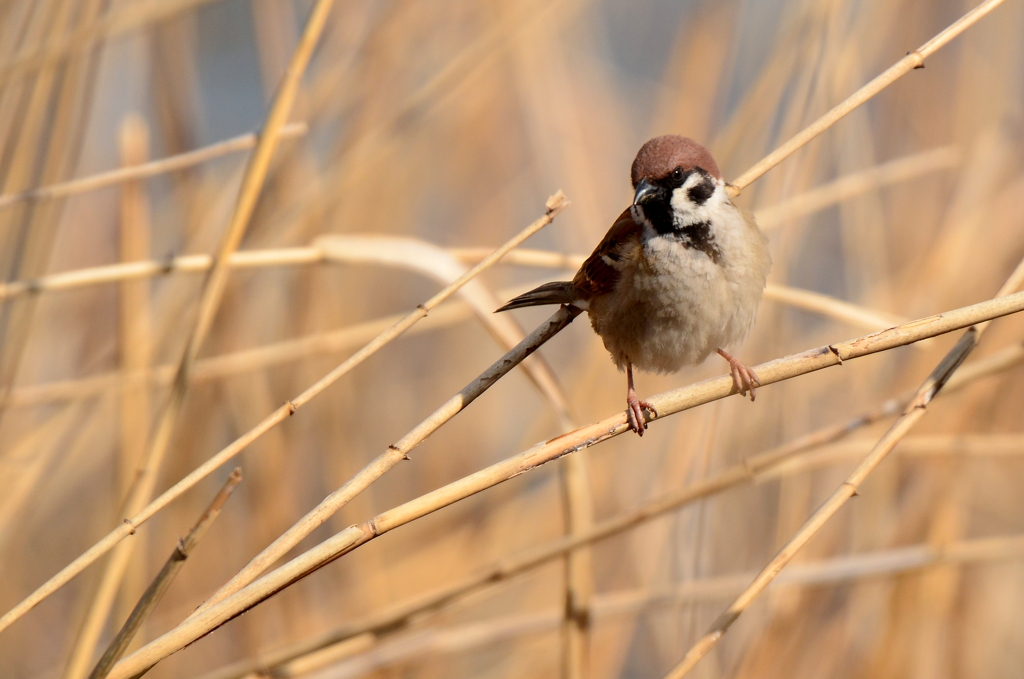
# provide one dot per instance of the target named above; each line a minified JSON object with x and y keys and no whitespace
{"x":618,"y":250}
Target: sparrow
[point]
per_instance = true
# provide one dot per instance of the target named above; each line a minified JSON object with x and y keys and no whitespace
{"x":679,"y":274}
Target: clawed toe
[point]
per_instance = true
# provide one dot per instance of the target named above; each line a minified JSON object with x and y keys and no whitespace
{"x":743,"y":378}
{"x":635,"y":413}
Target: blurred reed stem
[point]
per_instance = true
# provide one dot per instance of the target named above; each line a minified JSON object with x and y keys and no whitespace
{"x":318,"y":653}
{"x":913,"y":411}
{"x":147,"y":169}
{"x":144,"y":483}
{"x":555,"y":205}
{"x":387,"y":460}
{"x":135,"y":329}
{"x":787,"y":458}
{"x":158,"y":587}
{"x":912,"y":61}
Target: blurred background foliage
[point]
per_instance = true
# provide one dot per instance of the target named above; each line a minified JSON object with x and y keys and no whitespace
{"x":452,"y":122}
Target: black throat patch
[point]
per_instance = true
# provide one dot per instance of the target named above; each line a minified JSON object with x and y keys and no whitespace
{"x":694,"y":236}
{"x":698,"y":236}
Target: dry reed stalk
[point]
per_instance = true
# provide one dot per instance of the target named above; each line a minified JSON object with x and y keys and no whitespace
{"x":244,"y":360}
{"x":815,"y":302}
{"x":856,"y":184}
{"x":158,"y":587}
{"x":26,"y":462}
{"x":46,"y":143}
{"x":319,"y":652}
{"x":857,"y":315}
{"x":147,"y":169}
{"x":908,"y":63}
{"x":135,"y":325}
{"x":786,"y":458}
{"x":934,"y":445}
{"x":578,"y":590}
{"x":143,"y":486}
{"x":199,"y":263}
{"x":577,"y":500}
{"x":395,"y":453}
{"x":911,"y":414}
{"x":555,"y":204}
{"x":92,"y":32}
{"x":665,"y":404}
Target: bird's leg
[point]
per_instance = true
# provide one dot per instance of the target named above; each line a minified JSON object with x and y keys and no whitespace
{"x":742,"y":376}
{"x":634,"y":406}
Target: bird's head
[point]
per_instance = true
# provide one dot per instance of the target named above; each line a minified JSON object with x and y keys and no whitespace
{"x":675,"y":179}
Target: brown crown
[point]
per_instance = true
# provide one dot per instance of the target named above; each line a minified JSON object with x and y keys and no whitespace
{"x":658,"y":157}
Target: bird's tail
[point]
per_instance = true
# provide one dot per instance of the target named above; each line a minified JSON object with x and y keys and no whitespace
{"x":557,"y":292}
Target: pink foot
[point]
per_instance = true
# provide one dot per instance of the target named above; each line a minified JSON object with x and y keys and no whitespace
{"x":635,"y":412}
{"x":743,"y":378}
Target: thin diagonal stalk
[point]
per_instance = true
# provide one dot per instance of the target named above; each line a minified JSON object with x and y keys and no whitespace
{"x":609,"y":605}
{"x":848,"y":186}
{"x":555,"y":205}
{"x":152,"y":168}
{"x":213,"y":292}
{"x":754,"y":468}
{"x":908,"y":63}
{"x":665,"y":404}
{"x":151,"y":597}
{"x":394,"y":454}
{"x":85,"y":36}
{"x":912,"y":413}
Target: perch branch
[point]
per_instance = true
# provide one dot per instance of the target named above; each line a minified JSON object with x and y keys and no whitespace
{"x":665,"y":404}
{"x":767,"y":464}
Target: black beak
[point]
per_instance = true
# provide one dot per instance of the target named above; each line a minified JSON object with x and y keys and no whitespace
{"x":644,"y":192}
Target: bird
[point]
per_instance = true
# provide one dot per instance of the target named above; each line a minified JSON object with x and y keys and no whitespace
{"x":679,"y":275}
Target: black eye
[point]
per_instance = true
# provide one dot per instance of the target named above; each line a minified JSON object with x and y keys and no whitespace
{"x":677,"y":173}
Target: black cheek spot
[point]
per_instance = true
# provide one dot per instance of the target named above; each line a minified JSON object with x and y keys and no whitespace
{"x":700,"y":193}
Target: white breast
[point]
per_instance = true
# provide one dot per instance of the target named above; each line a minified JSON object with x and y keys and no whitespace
{"x":677,"y":305}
